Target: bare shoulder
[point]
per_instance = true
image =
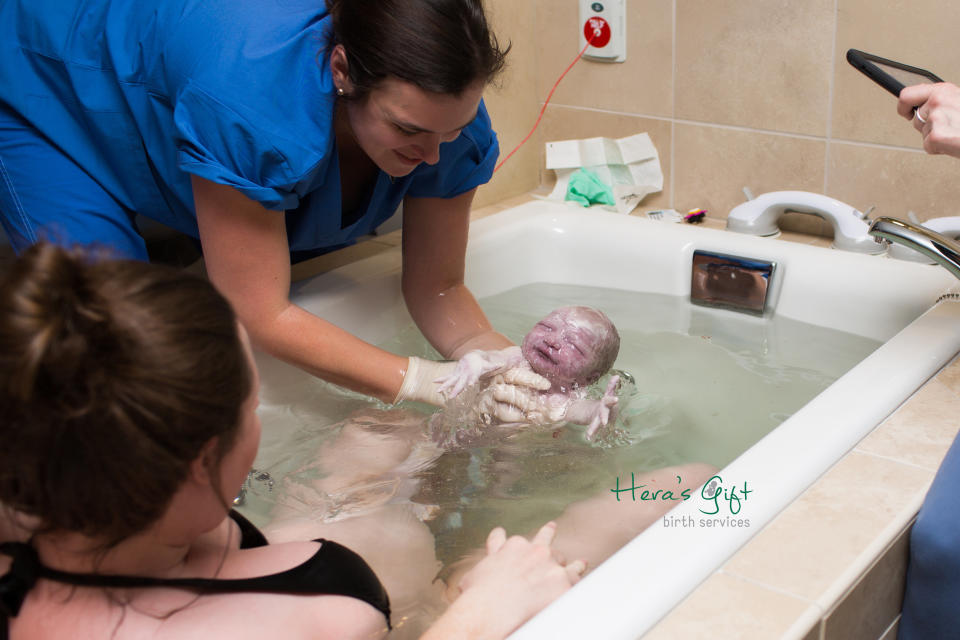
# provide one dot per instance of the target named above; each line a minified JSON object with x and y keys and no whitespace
{"x":254,"y":616}
{"x":259,"y":615}
{"x":53,"y":610}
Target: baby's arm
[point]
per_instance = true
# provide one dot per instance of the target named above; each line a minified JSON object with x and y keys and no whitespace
{"x":594,"y":413}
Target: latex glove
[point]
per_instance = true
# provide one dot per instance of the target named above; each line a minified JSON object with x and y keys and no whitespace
{"x":479,"y":364}
{"x":511,"y":403}
{"x":420,"y":381}
{"x":595,"y":413}
{"x":512,"y":398}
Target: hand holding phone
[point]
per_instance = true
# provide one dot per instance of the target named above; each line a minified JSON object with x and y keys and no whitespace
{"x":935,"y":110}
{"x":889,"y":74}
{"x":932,"y":104}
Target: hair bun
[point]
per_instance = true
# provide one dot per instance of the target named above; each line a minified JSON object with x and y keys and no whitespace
{"x":56,"y":319}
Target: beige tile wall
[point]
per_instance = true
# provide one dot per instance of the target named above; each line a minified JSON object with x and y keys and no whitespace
{"x":512,"y":100}
{"x":735,"y":93}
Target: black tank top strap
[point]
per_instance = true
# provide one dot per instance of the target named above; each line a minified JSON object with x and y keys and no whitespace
{"x":250,"y":536}
{"x":332,"y":570}
{"x":23,"y":573}
{"x":337,"y":569}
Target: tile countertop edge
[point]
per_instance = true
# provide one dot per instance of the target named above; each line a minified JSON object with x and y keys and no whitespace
{"x":845,"y":577}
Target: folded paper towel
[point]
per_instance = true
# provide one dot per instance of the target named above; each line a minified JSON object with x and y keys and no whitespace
{"x":630,"y":166}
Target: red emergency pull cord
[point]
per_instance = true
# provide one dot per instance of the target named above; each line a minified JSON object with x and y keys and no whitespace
{"x":547,"y":101}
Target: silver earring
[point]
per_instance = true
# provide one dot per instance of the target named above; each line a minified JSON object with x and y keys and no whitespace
{"x":339,"y":91}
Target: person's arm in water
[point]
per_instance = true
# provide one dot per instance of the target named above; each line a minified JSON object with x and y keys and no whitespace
{"x":247,"y":257}
{"x":937,"y":115}
{"x":434,"y":246}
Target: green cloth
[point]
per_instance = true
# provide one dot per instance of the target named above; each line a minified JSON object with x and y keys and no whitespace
{"x":587,"y":188}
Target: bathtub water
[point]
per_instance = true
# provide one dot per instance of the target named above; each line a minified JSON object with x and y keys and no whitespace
{"x":693,"y":392}
{"x":874,"y":299}
{"x":708,"y":384}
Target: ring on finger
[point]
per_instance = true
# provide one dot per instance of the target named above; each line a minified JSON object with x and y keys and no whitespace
{"x":920,"y":117}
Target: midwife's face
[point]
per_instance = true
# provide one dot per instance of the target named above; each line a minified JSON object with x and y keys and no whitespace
{"x":398,"y":125}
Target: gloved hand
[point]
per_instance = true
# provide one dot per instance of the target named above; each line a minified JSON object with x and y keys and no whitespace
{"x":480,"y":364}
{"x":428,"y":380}
{"x":511,"y":398}
{"x":420,"y":381}
{"x":519,"y":404}
{"x":517,"y":390}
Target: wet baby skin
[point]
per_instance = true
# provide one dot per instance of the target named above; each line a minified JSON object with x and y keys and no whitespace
{"x":571,"y":347}
{"x":567,"y":350}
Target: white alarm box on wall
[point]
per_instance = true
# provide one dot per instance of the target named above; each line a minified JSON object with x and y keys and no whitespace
{"x":604,"y":22}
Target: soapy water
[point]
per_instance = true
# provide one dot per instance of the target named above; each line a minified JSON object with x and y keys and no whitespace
{"x":698,"y":385}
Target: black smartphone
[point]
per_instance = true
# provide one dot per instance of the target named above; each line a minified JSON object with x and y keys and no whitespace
{"x":889,"y":74}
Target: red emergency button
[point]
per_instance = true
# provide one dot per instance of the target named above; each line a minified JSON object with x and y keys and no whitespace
{"x":596,"y":30}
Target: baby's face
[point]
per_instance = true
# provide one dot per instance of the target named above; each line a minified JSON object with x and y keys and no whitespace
{"x":562,"y":348}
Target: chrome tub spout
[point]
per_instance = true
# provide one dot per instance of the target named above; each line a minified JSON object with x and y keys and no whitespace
{"x":938,"y":247}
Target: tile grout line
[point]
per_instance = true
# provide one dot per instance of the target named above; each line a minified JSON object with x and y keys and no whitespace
{"x":891,"y":626}
{"x":673,"y":105}
{"x":732,"y":127}
{"x":830,"y":96}
{"x":769,"y":587}
{"x":886,"y":458}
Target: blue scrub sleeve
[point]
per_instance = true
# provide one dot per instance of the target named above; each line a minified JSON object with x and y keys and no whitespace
{"x":216,"y":142}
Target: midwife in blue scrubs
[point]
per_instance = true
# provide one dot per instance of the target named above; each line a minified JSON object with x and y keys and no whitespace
{"x":264,"y":128}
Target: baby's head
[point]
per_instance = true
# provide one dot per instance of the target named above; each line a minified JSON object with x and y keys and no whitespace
{"x":572,"y":346}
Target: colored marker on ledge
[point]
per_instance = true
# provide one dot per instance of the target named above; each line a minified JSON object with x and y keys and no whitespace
{"x":694,"y":216}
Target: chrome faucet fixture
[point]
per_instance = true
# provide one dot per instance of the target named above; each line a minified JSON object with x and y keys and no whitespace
{"x":936,"y":246}
{"x":731,"y":282}
{"x":948,"y":226}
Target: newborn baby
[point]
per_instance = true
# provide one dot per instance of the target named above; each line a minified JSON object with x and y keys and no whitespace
{"x":571,"y":348}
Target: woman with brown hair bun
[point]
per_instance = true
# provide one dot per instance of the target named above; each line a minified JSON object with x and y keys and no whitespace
{"x":128,"y":419}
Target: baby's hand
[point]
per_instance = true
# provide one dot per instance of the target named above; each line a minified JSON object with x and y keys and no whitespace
{"x":606,"y":407}
{"x":476,"y":365}
{"x":595,"y":413}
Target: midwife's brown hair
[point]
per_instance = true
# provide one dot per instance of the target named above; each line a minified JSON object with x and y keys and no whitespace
{"x":440,"y":46}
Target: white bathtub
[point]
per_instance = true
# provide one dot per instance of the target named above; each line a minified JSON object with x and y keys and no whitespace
{"x":884,"y":299}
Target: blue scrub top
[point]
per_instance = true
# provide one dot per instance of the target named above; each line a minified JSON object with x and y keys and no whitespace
{"x":142,"y":93}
